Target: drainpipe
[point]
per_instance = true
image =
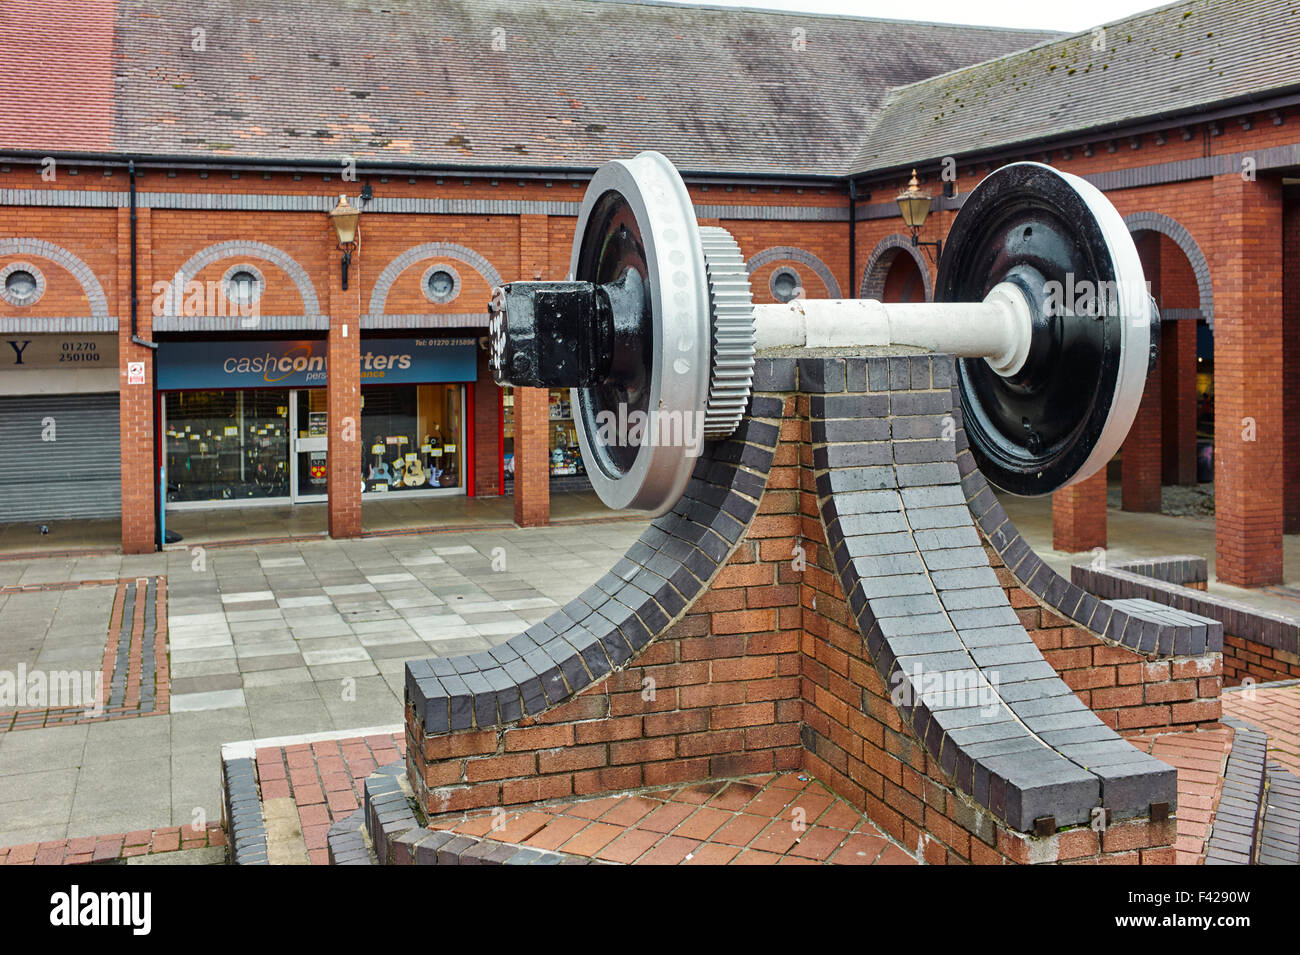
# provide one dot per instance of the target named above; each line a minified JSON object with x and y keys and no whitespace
{"x":853,"y":237}
{"x":159,"y":487}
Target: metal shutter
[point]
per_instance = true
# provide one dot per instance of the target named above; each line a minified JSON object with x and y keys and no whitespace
{"x":77,"y":475}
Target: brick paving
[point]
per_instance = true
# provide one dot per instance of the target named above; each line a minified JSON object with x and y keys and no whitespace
{"x":780,"y":819}
{"x":324,"y":779}
{"x":115,"y":847}
{"x":1275,"y":709}
{"x":135,"y":671}
{"x":1200,"y":757}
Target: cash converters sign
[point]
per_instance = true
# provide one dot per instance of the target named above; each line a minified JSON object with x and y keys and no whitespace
{"x":302,"y":364}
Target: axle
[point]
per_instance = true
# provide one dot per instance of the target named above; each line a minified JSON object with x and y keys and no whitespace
{"x":997,"y":329}
{"x":577,"y":334}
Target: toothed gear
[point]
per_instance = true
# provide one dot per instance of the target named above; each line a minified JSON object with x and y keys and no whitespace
{"x":731,"y":306}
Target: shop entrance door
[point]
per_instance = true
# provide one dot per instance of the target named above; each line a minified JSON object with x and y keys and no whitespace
{"x":307,"y":424}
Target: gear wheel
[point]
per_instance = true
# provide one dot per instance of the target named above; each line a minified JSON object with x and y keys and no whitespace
{"x":731,"y":308}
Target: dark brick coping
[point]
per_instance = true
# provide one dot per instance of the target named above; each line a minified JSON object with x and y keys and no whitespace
{"x":613,"y":620}
{"x":898,"y":521}
{"x":246,"y":832}
{"x":397,"y":838}
{"x":1238,"y":619}
{"x":1065,"y":598}
{"x":1237,"y":816}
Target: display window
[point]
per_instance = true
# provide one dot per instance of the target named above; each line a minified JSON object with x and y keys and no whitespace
{"x":565,"y":454}
{"x":226,"y":445}
{"x":413,"y":438}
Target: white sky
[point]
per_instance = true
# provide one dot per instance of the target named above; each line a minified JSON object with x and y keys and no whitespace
{"x":1025,"y":14}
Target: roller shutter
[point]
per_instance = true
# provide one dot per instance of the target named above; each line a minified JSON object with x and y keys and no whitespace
{"x":77,"y":475}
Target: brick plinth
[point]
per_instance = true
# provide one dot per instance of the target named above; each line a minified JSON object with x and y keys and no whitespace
{"x":766,"y":668}
{"x":1079,"y":515}
{"x":1141,"y":456}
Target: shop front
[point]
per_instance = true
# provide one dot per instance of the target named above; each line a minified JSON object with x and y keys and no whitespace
{"x":246,"y":422}
{"x":59,"y":439}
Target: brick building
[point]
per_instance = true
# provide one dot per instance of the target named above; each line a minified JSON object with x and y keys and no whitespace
{"x":183,"y":335}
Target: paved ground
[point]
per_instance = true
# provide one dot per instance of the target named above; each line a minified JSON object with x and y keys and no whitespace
{"x":1274,"y":709}
{"x":265,"y":641}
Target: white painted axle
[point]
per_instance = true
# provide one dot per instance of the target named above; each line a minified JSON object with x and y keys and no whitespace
{"x":997,"y":329}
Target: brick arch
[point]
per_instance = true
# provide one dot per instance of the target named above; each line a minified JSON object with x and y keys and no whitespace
{"x":1158,"y":222}
{"x":61,"y":256}
{"x":429,"y":250}
{"x":243,"y":247}
{"x":790,"y":253}
{"x":882,"y":258}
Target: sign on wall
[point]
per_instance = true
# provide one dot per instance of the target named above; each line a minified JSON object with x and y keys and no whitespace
{"x":302,"y":364}
{"x":62,"y":352}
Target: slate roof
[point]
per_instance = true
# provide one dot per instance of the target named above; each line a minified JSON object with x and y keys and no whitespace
{"x":580,"y":81}
{"x":1160,"y":63}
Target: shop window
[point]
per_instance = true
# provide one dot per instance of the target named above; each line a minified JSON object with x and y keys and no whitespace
{"x":412,"y":437}
{"x":227,"y":445}
{"x":565,"y":458}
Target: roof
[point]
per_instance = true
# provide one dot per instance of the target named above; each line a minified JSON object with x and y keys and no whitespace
{"x":1175,"y":59}
{"x":578,"y":82}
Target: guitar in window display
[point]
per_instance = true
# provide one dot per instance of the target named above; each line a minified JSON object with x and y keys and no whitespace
{"x":379,"y":477}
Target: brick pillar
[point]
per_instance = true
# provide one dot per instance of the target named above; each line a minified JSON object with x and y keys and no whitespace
{"x":343,"y":394}
{"x":487,"y":431}
{"x":532,"y":451}
{"x":1178,"y":290}
{"x":1140,"y":455}
{"x":1248,"y":373}
{"x":1079,"y":515}
{"x":136,"y":402}
{"x":1291,"y":361}
{"x":532,"y":418}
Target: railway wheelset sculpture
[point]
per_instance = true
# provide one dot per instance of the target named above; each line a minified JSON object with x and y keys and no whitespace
{"x":657,"y":324}
{"x":658,"y":320}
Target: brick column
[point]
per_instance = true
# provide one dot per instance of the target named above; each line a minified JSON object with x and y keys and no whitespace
{"x":1140,"y":455}
{"x":1079,"y":515}
{"x":1248,"y":374}
{"x":343,"y":394}
{"x":532,"y":449}
{"x":1291,"y":361}
{"x":136,"y":402}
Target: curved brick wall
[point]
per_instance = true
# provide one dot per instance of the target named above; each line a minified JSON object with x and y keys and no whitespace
{"x":601,"y":630}
{"x":1148,"y":636}
{"x":1015,"y":739}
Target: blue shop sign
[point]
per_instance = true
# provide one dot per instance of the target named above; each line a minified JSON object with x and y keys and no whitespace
{"x":302,"y":364}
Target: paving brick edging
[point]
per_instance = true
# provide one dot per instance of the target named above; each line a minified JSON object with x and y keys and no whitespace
{"x":1255,"y":643}
{"x":241,"y":808}
{"x":1257,"y":820}
{"x":1064,"y":598}
{"x":89,"y":850}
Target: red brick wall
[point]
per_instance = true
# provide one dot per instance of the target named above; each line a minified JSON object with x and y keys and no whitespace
{"x":1140,"y":455}
{"x":343,"y":402}
{"x":1079,"y":515}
